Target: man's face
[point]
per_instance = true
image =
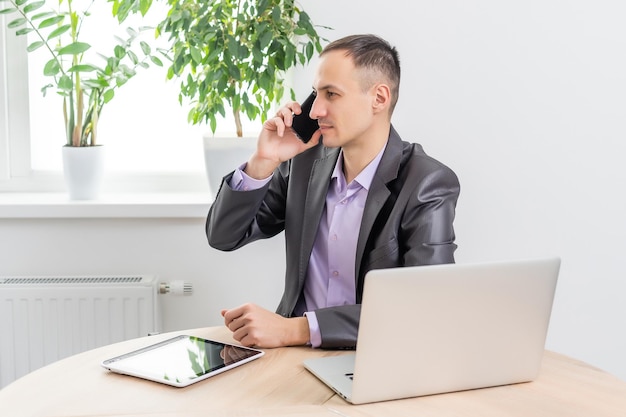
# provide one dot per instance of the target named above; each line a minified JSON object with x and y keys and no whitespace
{"x":344,"y":111}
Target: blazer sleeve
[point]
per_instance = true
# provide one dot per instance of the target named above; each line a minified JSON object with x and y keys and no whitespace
{"x":426,"y":230}
{"x":339,"y":326}
{"x":237,"y":218}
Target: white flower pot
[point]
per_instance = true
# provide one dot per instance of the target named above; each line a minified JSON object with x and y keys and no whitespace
{"x":223,"y":154}
{"x":83,"y":169}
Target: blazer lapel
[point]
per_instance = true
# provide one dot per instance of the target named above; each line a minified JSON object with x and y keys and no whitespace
{"x":379,"y":193}
{"x":314,"y":206}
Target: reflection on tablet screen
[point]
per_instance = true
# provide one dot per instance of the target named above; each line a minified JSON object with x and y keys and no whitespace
{"x":182,"y":360}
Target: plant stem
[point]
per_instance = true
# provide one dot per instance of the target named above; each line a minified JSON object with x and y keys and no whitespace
{"x":237,"y":115}
{"x":69,"y":127}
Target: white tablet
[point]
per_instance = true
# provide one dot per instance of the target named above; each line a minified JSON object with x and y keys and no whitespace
{"x":182,"y":360}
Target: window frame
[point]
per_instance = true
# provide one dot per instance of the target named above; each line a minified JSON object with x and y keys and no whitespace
{"x":16,"y":173}
{"x":14,"y":110}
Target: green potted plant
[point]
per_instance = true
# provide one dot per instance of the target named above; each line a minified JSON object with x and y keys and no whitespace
{"x":86,"y":81}
{"x":235,"y":54}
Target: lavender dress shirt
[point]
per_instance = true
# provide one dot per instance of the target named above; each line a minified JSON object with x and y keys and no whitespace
{"x":331,"y":276}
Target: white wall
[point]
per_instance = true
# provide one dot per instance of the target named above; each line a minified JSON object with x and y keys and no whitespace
{"x":171,"y":249}
{"x":524,"y":100}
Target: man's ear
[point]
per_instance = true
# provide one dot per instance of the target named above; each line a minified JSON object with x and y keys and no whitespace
{"x":382,"y":98}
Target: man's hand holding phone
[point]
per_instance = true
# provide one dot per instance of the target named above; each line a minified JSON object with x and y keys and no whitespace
{"x":279,"y":142}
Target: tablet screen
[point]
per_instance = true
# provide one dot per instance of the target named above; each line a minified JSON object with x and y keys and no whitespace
{"x":182,"y":360}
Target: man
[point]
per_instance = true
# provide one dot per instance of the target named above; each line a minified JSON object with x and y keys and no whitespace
{"x":354,"y":198}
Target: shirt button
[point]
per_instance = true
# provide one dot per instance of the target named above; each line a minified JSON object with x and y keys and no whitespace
{"x":335,"y":273}
{"x":334,"y":237}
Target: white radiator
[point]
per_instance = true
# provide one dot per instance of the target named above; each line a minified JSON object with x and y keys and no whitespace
{"x":44,"y":319}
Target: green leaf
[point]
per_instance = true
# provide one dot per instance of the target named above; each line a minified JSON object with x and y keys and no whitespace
{"x":119,"y":52}
{"x":7,"y":11}
{"x":82,"y":68}
{"x":176,"y":16}
{"x":276,"y":14}
{"x":23,"y":31}
{"x":51,"y":68}
{"x":113,"y":63}
{"x":144,"y":6}
{"x":196,"y":55}
{"x":251,"y":110}
{"x":34,"y":46}
{"x":74,"y":19}
{"x":127,"y":71}
{"x":17,"y":23}
{"x":59,"y":31}
{"x":41,"y":16}
{"x":257,"y":56}
{"x":133,"y":57}
{"x":75,"y":48}
{"x":234,"y":72}
{"x":120,"y":80}
{"x":44,"y":89}
{"x":145,"y":48}
{"x":51,"y":21}
{"x":156,"y":61}
{"x":265,"y":40}
{"x":108,"y":95}
{"x":164,"y":52}
{"x":120,"y":10}
{"x":65,"y":83}
{"x":213,"y":124}
{"x":21,"y":2}
{"x":96,"y":83}
{"x":289,"y":58}
{"x":33,"y":6}
{"x":132,"y":32}
{"x":243,"y":52}
{"x":262,"y":5}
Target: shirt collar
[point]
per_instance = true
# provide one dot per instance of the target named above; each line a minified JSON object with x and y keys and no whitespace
{"x":365,"y":177}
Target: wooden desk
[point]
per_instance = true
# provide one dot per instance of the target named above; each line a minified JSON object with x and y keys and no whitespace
{"x":278,"y":385}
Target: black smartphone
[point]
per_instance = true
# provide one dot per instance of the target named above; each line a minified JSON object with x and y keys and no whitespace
{"x":302,"y":124}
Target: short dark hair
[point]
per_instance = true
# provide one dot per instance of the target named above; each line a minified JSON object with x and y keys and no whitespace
{"x":373,"y":53}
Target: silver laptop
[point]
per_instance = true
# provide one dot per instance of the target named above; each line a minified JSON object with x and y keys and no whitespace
{"x":434,"y":329}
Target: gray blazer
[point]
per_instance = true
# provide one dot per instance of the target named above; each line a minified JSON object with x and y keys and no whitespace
{"x":407,"y":220}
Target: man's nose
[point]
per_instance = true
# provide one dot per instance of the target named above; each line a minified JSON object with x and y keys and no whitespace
{"x":317,"y":109}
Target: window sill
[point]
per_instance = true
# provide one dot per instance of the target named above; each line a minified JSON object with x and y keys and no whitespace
{"x":123,"y":205}
{"x":43,"y":195}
